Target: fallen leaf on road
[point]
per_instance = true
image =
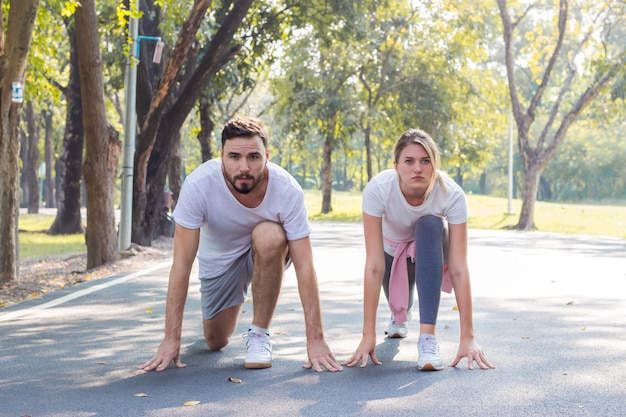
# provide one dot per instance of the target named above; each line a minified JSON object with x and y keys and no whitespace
{"x":235,"y":380}
{"x":190,"y":403}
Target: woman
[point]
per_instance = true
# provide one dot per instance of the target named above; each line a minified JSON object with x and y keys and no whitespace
{"x":415,"y":226}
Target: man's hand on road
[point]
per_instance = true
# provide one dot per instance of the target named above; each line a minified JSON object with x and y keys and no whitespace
{"x":168,"y":351}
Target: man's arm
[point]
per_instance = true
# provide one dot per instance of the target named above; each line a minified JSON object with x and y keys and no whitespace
{"x":319,"y":353}
{"x":185,"y":249}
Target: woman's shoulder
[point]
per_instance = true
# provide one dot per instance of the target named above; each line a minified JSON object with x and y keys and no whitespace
{"x":384,"y":177}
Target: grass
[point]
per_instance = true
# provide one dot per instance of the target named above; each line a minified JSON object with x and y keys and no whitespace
{"x":35,"y":243}
{"x":484,"y":213}
{"x":487,"y":212}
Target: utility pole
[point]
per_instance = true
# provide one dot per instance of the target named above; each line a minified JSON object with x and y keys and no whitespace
{"x":130,"y":126}
{"x":510,"y":211}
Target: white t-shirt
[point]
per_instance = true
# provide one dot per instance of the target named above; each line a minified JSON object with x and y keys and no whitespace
{"x":382,"y":198}
{"x":226,"y":225}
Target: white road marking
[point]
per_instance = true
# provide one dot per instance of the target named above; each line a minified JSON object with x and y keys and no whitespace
{"x":74,"y":295}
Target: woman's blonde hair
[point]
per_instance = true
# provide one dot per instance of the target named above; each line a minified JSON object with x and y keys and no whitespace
{"x":419,"y":137}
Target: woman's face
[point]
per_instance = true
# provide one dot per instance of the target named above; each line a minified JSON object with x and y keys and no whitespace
{"x":414,"y":169}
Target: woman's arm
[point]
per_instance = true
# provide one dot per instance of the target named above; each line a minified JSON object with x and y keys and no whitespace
{"x":373,"y":277}
{"x":459,"y":275}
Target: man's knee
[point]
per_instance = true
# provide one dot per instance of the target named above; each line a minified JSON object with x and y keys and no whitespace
{"x":216,"y":342}
{"x":269,"y":238}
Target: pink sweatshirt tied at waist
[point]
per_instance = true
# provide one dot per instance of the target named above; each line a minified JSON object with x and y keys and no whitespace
{"x":399,"y":279}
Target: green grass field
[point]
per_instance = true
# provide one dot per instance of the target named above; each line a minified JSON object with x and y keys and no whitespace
{"x":484,"y":213}
{"x":491,"y":213}
{"x":35,"y":243}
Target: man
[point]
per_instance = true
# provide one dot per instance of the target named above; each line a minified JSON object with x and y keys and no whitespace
{"x":245,"y":219}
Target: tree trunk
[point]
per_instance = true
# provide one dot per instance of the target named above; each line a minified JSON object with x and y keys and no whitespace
{"x":102,"y":143}
{"x":31,"y":164}
{"x":482,"y":183}
{"x":68,"y":219}
{"x":13,"y":55}
{"x":23,"y":157}
{"x":531,"y":185}
{"x":206,"y":129}
{"x":327,"y":165}
{"x":49,"y":179}
{"x":174,"y":175}
{"x":368,"y":149}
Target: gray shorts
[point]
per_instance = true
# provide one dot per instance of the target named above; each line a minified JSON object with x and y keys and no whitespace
{"x":229,"y":289}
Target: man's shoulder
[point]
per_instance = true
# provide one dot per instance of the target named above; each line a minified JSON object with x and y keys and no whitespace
{"x":281,"y":176}
{"x":205,"y":170}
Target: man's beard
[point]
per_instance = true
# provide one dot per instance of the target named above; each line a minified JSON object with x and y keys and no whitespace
{"x":245,"y":187}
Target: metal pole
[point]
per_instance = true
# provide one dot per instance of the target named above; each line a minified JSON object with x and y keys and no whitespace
{"x":510,"y":163}
{"x":130,"y":126}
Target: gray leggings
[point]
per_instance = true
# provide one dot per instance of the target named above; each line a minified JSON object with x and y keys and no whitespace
{"x":431,"y":247}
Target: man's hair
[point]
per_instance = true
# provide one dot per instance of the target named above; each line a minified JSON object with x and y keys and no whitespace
{"x":244,"y":126}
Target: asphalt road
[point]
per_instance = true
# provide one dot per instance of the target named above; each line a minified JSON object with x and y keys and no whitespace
{"x":549,"y":310}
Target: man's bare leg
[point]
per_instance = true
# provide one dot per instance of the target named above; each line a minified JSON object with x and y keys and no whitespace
{"x":219,"y":329}
{"x":269,"y":250}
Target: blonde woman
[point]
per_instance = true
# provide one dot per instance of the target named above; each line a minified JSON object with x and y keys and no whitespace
{"x":415,"y":227}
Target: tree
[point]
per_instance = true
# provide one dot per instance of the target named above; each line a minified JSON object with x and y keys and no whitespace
{"x":565,"y":70}
{"x":31,"y":162}
{"x":316,"y":92}
{"x":156,"y":140}
{"x":102,"y":145}
{"x":68,"y":218}
{"x":14,"y":46}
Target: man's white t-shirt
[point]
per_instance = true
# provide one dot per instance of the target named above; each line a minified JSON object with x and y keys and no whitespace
{"x":226,"y":225}
{"x":382,"y":197}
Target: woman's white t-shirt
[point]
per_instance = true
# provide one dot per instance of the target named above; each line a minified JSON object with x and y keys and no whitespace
{"x":206,"y":202}
{"x":382,"y":198}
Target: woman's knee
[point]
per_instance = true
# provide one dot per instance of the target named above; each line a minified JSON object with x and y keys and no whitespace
{"x":429,"y":224}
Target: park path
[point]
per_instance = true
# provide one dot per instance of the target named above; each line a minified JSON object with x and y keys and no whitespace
{"x":549,"y":310}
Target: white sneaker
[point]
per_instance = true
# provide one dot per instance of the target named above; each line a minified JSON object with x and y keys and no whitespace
{"x":259,"y":354}
{"x":428,"y":353}
{"x":398,"y":330}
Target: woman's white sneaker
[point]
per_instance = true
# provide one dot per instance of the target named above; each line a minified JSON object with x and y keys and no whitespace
{"x":428,"y":353}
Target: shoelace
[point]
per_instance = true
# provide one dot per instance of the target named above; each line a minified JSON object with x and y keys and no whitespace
{"x":257,"y":342}
{"x":428,"y":346}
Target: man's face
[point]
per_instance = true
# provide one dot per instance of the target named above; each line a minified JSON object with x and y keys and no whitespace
{"x":243,"y":162}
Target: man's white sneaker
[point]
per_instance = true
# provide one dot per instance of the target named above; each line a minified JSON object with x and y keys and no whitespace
{"x":428,"y":353}
{"x":259,"y":354}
